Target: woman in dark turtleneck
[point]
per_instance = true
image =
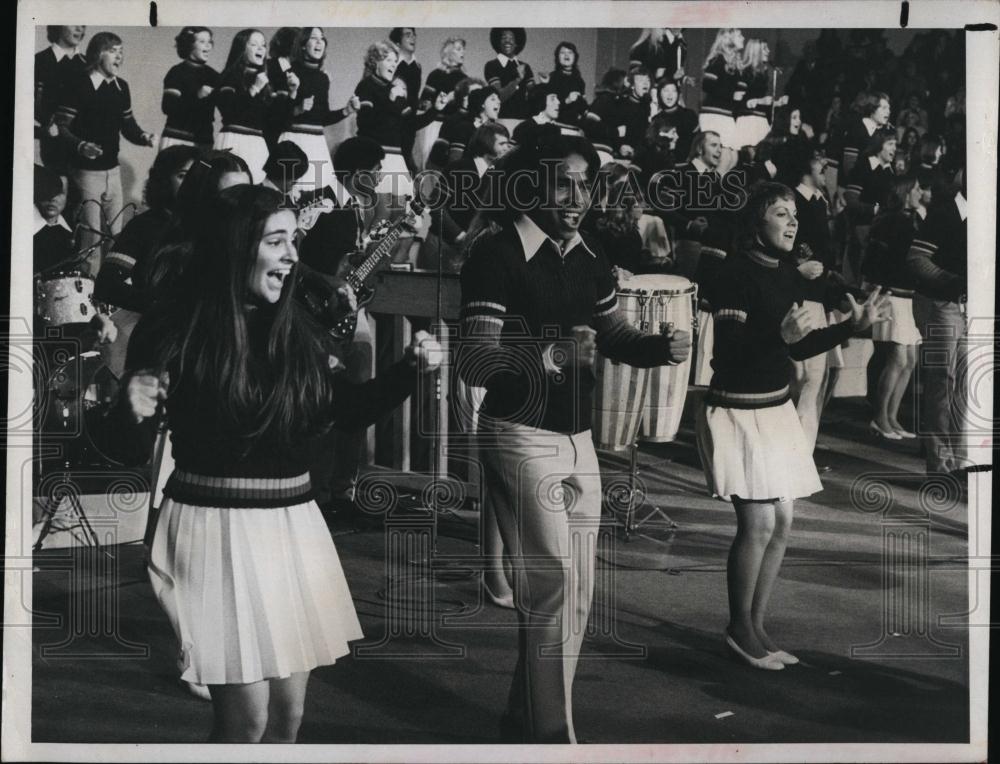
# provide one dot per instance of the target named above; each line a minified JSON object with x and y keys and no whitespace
{"x":670,"y":132}
{"x":243,"y":99}
{"x":752,"y":447}
{"x":307,"y":115}
{"x":567,"y":83}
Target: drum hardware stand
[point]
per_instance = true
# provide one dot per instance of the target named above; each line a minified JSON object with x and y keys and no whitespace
{"x":630,"y":525}
{"x":52,"y":506}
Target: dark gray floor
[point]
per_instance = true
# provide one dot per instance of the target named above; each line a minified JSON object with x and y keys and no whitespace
{"x":654,"y":669}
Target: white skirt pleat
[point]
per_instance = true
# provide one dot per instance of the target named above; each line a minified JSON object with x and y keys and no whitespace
{"x":396,"y":180}
{"x":252,"y":149}
{"x":902,"y":328}
{"x":251,"y":594}
{"x":721,"y":124}
{"x":320,"y":173}
{"x":755,"y":454}
{"x":751,"y":130}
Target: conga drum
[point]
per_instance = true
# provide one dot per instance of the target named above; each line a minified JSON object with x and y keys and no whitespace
{"x":671,"y":301}
{"x":620,"y":389}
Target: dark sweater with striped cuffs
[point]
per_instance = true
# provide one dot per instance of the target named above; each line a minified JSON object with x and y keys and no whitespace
{"x":518,"y":301}
{"x":189,"y":118}
{"x":243,"y":112}
{"x":98,"y":115}
{"x":217,"y":463}
{"x":502,"y":77}
{"x":718,"y":84}
{"x":313,"y":83}
{"x":758,"y":85}
{"x":938,"y":256}
{"x":752,"y":364}
{"x":381,"y":118}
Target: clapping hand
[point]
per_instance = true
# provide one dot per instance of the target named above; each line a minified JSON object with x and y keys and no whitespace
{"x":144,"y":392}
{"x":89,"y":150}
{"x":204,"y":91}
{"x":353,"y":104}
{"x":678,"y":343}
{"x":425,"y":352}
{"x":811,"y":269}
{"x":873,"y":310}
{"x":796,"y":324}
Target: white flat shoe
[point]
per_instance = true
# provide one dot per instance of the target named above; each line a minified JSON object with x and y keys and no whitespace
{"x":785,"y":657}
{"x":887,"y":434}
{"x":768,"y":662}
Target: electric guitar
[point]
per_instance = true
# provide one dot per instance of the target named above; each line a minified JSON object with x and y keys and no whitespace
{"x":319,"y":292}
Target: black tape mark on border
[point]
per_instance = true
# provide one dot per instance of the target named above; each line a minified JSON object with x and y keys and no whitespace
{"x":904,"y":14}
{"x":980,"y":27}
{"x":152,"y":13}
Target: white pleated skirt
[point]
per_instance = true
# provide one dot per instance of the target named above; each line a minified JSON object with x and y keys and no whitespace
{"x":396,"y":180}
{"x":320,"y":174}
{"x":755,"y":454}
{"x":251,"y":594}
{"x":751,"y":130}
{"x":902,"y":328}
{"x":721,"y":124}
{"x":252,"y":149}
{"x":423,"y":142}
{"x":166,"y":142}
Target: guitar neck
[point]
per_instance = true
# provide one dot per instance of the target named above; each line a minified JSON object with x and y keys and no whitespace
{"x":356,"y":278}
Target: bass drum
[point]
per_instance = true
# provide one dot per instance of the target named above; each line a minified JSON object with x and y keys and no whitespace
{"x":78,"y":390}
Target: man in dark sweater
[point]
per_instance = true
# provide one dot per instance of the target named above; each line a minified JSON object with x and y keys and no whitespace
{"x":95,"y":109}
{"x":537,"y":299}
{"x":58,"y":64}
{"x":938,"y":260}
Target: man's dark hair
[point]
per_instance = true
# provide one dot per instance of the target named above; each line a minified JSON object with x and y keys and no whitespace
{"x":354,"y":154}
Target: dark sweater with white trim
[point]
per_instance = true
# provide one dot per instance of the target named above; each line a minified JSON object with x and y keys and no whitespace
{"x":189,"y":118}
{"x":241,"y":111}
{"x":533,"y":302}
{"x":250,"y":472}
{"x":752,"y":364}
{"x":98,"y":115}
{"x":718,"y":84}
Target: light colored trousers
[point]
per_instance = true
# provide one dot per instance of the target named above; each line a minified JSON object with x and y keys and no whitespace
{"x":101,"y":202}
{"x":546,"y":492}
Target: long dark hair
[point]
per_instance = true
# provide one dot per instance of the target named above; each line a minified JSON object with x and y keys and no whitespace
{"x":274,"y":382}
{"x":237,"y":52}
{"x":190,"y":208}
{"x":576,"y":56}
{"x":158,"y":192}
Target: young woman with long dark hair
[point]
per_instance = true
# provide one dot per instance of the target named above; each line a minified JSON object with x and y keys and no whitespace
{"x":241,"y":559}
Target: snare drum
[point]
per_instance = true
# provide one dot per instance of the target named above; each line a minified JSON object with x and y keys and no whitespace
{"x":65,"y":298}
{"x":669,"y":300}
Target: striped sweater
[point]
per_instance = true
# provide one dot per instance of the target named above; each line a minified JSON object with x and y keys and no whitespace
{"x":752,"y":364}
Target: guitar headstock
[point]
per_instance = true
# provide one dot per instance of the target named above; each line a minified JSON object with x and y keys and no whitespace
{"x":308,"y":215}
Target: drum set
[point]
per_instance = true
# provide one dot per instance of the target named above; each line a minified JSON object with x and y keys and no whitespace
{"x":74,"y":386}
{"x":632,"y":404}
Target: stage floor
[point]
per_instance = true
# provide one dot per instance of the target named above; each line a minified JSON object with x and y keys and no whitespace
{"x":876,"y":666}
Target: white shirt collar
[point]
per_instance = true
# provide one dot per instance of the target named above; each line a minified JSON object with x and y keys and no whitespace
{"x":809,"y":193}
{"x":532,"y":238}
{"x":481,"y":165}
{"x":870,"y":125}
{"x":700,"y":166}
{"x":60,"y":52}
{"x":962,"y":204}
{"x":874,"y":162}
{"x":503,"y":59}
{"x":39,"y":222}
{"x":96,"y":78}
{"x":920,"y":212}
{"x":670,"y":36}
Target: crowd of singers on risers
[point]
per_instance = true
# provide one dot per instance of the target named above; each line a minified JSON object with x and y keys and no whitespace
{"x":804,"y":218}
